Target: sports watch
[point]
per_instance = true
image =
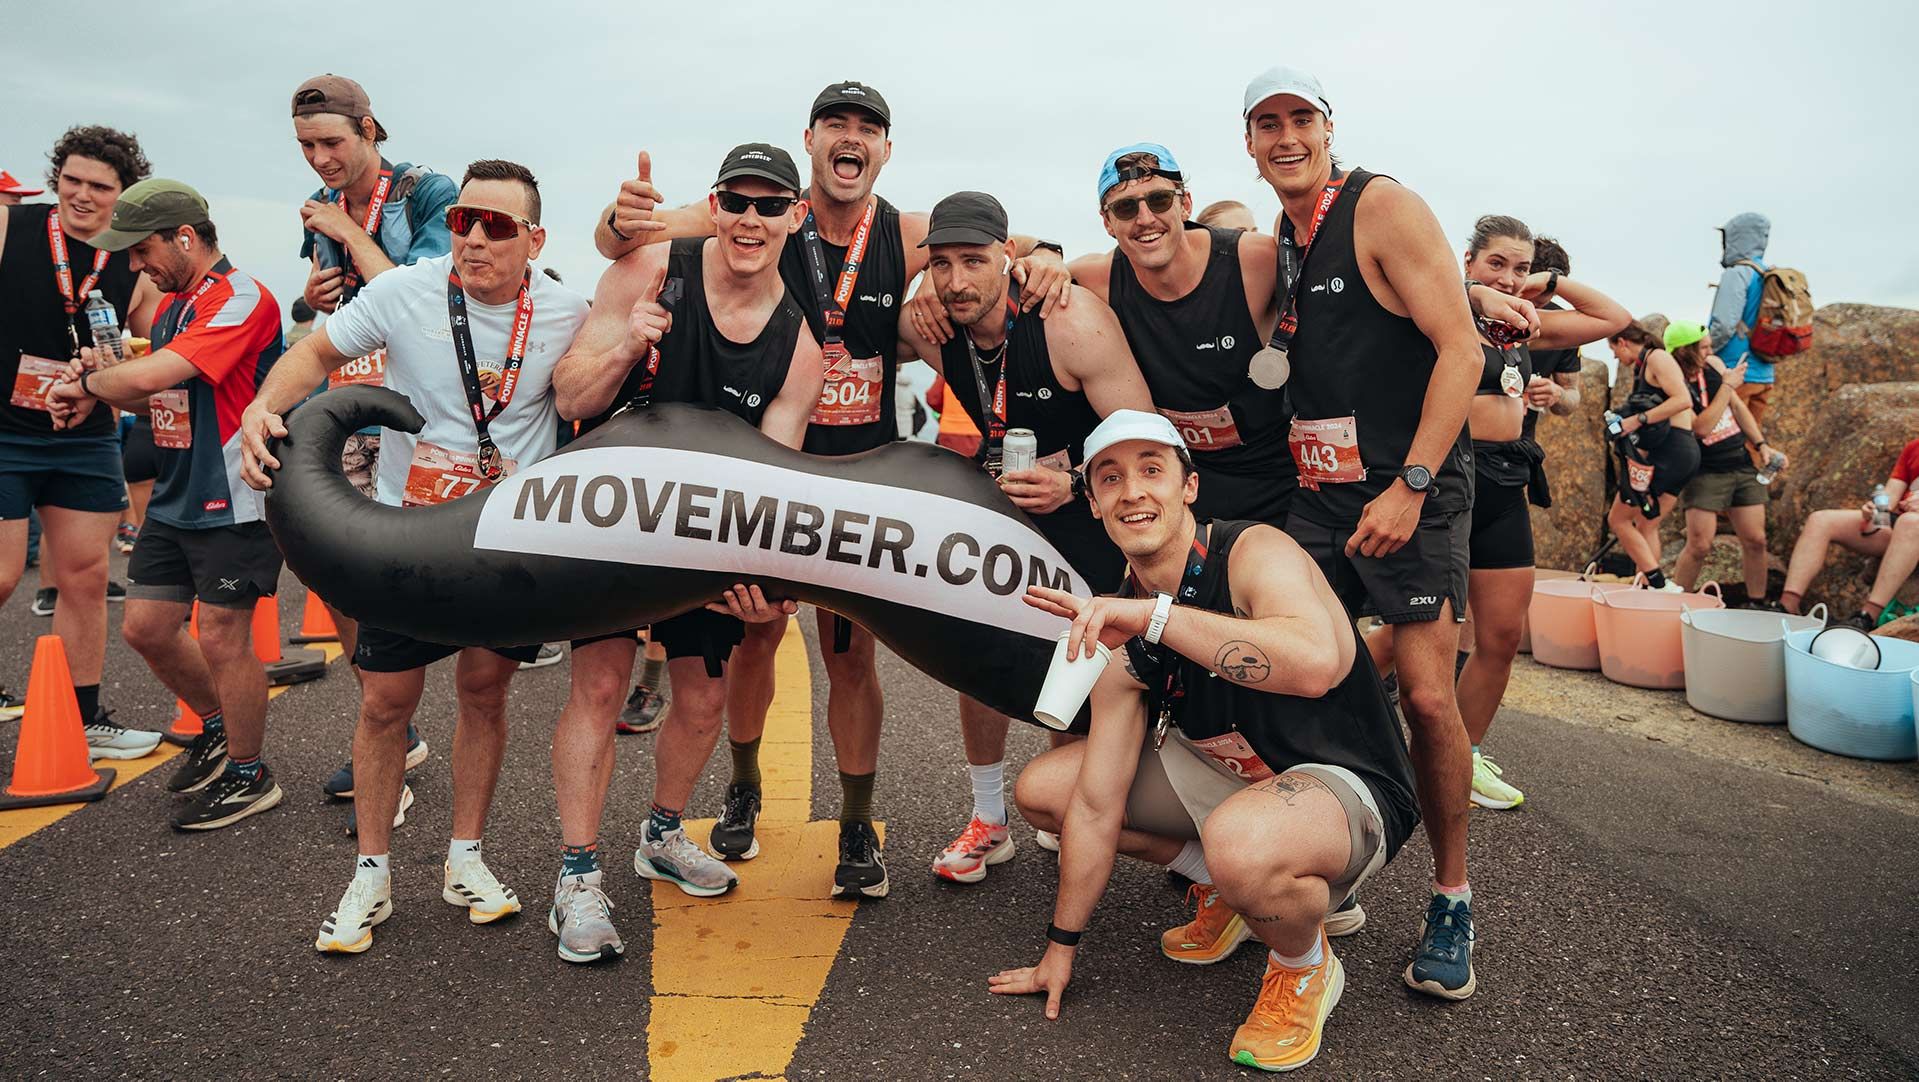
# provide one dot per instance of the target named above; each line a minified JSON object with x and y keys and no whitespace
{"x":1417,"y":478}
{"x":614,"y":229}
{"x":1162,"y":609}
{"x":1050,"y":246}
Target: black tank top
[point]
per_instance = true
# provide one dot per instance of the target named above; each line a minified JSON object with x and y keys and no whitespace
{"x":1492,"y":376}
{"x":702,"y":366}
{"x":1723,"y":450}
{"x":32,"y":319}
{"x":1352,"y":726}
{"x":1194,"y":352}
{"x":872,"y":322}
{"x":1353,"y":358}
{"x":1060,"y":419}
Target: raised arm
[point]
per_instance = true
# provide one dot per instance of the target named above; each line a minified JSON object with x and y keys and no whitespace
{"x":635,"y":218}
{"x":625,"y":322}
{"x":1593,"y":315}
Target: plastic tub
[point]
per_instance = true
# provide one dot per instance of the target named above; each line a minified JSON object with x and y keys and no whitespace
{"x":1560,"y":621}
{"x":1735,"y":663}
{"x":1862,"y":713}
{"x":1638,"y":631}
{"x":1540,"y":574}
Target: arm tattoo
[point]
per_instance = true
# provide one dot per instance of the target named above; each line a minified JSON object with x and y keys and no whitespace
{"x":1289,"y":786}
{"x":1126,"y":660}
{"x":1242,"y":662}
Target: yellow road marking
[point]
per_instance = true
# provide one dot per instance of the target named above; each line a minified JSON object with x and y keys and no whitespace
{"x":735,"y":977}
{"x":20,"y":822}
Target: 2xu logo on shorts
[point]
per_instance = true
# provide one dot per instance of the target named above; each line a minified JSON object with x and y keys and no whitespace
{"x":1423,"y":599}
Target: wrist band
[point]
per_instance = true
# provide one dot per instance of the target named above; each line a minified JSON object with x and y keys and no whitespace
{"x":614,"y":229}
{"x":84,"y":373}
{"x":1056,"y":934}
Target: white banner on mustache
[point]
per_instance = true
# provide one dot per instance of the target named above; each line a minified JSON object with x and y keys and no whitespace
{"x":687,"y":509}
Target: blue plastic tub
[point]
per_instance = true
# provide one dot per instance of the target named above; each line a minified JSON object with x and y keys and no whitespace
{"x":1864,"y":714}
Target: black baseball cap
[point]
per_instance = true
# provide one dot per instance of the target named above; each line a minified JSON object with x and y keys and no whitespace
{"x":966,"y":218}
{"x":763,"y":160}
{"x":851,"y":93}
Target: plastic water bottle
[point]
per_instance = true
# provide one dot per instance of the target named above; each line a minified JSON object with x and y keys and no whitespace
{"x":105,"y":324}
{"x":1773,"y":466}
{"x":1881,"y":508}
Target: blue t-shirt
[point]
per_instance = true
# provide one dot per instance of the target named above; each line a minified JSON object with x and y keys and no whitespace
{"x":409,"y":231}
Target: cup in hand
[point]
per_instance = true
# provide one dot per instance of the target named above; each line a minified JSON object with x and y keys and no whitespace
{"x":1068,"y":683}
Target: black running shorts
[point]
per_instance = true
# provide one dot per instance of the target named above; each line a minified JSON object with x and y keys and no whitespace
{"x":1406,"y":587}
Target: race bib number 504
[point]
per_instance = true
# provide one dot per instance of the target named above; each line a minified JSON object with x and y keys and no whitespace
{"x":851,"y":394}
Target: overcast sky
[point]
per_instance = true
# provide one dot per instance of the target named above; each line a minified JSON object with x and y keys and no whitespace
{"x":1628,"y":130}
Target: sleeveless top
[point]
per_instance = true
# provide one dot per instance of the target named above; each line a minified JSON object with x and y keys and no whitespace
{"x":1060,"y":419}
{"x":1353,"y":358}
{"x":1194,"y":353}
{"x":1352,"y":726}
{"x":34,"y":322}
{"x":872,"y":322}
{"x":702,"y":366}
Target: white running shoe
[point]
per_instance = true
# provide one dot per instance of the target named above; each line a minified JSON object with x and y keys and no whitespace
{"x":349,"y":928}
{"x":979,"y":845}
{"x":582,"y":918}
{"x":105,"y":740}
{"x":676,"y":859}
{"x":473,"y":887}
{"x":1046,"y":840}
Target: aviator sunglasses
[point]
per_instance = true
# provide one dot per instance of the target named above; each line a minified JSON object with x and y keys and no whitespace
{"x":498,"y":224}
{"x":1158,"y":202}
{"x":769,"y":206}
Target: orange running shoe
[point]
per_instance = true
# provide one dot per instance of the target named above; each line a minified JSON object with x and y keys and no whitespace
{"x":1283,"y":1032}
{"x":1213,"y":935}
{"x":979,"y":845}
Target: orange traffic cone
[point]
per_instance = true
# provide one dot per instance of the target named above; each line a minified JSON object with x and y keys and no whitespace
{"x":283,"y":667}
{"x":266,"y":630}
{"x":50,"y":761}
{"x":316,"y":623}
{"x":186,"y":723}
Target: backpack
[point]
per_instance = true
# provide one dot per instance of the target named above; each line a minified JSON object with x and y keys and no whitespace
{"x":1784,"y":324}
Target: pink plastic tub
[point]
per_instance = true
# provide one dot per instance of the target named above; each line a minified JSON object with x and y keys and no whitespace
{"x":1560,"y":622}
{"x":1540,"y":574}
{"x":1639,"y":634}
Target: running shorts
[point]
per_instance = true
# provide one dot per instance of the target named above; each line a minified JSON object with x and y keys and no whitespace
{"x":1502,"y":535}
{"x":230,"y":567}
{"x":1410,"y":585}
{"x":78,"y":473}
{"x":379,"y":650}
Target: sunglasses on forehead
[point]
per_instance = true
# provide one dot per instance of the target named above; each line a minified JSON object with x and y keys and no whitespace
{"x":498,"y":224}
{"x":769,"y":206}
{"x":1158,"y":202}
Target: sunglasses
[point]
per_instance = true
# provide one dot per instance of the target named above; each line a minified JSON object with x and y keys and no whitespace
{"x":1158,"y":202}
{"x":769,"y":206}
{"x":499,"y":224}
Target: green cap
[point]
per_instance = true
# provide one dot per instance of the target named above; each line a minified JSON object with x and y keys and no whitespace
{"x":151,"y":206}
{"x":1679,"y":332}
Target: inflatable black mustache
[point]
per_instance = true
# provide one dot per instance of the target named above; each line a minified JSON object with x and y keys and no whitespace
{"x":657,"y":512}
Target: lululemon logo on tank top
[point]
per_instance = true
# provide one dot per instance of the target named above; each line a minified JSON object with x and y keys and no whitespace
{"x":665,"y":507}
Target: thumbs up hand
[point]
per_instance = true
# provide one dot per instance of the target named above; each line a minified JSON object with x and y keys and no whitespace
{"x":633,"y":209}
{"x":649,"y":320}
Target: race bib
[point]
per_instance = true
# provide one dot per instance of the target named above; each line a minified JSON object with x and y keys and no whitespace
{"x":1205,"y":430}
{"x":1231,"y":751}
{"x":439,"y":474}
{"x":367,"y":371}
{"x":172,"y":414}
{"x":1639,"y":475}
{"x":1061,"y":460}
{"x":851,"y":395}
{"x":1326,"y":452}
{"x":37,"y":377}
{"x":1726,"y":429}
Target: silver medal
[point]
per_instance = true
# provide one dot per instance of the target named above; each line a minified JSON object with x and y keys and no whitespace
{"x":1509,"y":381}
{"x":1270,"y":368}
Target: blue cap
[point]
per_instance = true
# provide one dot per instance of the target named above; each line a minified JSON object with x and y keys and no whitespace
{"x":1109,"y":177}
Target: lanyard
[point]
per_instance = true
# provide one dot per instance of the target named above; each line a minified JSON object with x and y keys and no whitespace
{"x":63,"y":274}
{"x":1172,"y":691}
{"x":213,"y":278}
{"x":375,"y":208}
{"x":833,"y":305}
{"x":995,"y":406}
{"x":1293,"y":262}
{"x":489,"y":461}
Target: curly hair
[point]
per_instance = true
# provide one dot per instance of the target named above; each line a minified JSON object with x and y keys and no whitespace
{"x":119,"y":150}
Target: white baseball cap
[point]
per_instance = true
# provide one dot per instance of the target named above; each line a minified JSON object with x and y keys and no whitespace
{"x":1284,"y":80}
{"x":1122,"y":425}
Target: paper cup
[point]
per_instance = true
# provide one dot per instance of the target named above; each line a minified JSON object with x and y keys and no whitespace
{"x":1068,"y":683}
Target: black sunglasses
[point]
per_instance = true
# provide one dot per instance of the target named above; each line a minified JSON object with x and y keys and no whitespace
{"x":769,"y":206}
{"x":498,"y":224}
{"x":1158,"y":202}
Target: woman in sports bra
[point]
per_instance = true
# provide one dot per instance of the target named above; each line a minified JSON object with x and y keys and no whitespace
{"x":1664,"y":454}
{"x":1727,"y":482}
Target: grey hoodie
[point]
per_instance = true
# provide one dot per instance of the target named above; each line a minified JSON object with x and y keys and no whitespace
{"x":1744,"y":237}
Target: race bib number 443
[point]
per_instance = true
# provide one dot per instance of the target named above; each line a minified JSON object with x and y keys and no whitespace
{"x":851,"y":394}
{"x":1326,"y":451}
{"x":37,"y":377}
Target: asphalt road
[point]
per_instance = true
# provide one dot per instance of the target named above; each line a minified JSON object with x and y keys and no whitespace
{"x":1650,"y":913}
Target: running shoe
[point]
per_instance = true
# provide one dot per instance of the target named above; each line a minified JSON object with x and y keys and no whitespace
{"x":472,"y":886}
{"x":228,"y":799}
{"x":1350,"y":917}
{"x":44,"y":600}
{"x":105,"y":740}
{"x":1213,"y":934}
{"x":1861,"y":619}
{"x":399,"y":814}
{"x":205,"y":758}
{"x":550,"y":654}
{"x":1283,"y":1031}
{"x":340,"y":785}
{"x":642,"y":711}
{"x":1488,"y":790}
{"x":115,"y":591}
{"x":349,"y":928}
{"x":1764,"y":604}
{"x":732,"y":837}
{"x":862,"y":868}
{"x":678,"y":861}
{"x":582,"y":918}
{"x":1046,"y":840}
{"x":11,"y":705}
{"x":1444,"y":965}
{"x":126,"y":537}
{"x":979,"y":845}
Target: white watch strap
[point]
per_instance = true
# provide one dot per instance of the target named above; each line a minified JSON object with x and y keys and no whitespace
{"x":1162,"y":609}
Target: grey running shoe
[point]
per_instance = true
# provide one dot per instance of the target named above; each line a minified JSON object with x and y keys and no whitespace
{"x":642,"y":711}
{"x":105,"y":740}
{"x":45,"y":600}
{"x":550,"y":654}
{"x":678,"y":861}
{"x":582,"y":918}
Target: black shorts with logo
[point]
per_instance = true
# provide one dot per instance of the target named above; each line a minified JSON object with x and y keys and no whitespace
{"x":1406,"y":587}
{"x":379,"y":650}
{"x":228,"y":566}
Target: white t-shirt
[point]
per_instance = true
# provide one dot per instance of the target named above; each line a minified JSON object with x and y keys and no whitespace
{"x":404,"y":311}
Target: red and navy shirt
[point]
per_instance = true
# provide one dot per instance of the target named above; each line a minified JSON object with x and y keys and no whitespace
{"x":228,"y":326}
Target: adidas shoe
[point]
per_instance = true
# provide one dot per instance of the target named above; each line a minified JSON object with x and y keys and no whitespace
{"x":349,"y":928}
{"x":472,"y":886}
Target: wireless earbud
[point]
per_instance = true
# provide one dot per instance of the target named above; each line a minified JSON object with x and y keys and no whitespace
{"x":1008,"y":266}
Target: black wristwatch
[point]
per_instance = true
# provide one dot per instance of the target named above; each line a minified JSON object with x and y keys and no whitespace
{"x":84,"y":373}
{"x":1417,"y":478}
{"x":1552,"y":286}
{"x":1049,"y":246}
{"x":1079,"y":484}
{"x":614,"y":229}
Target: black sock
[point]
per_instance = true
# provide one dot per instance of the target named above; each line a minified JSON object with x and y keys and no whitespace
{"x":663,"y":821}
{"x":89,"y":696}
{"x":1459,"y":663}
{"x":1656,"y":579}
{"x":746,"y":762}
{"x":856,"y":798}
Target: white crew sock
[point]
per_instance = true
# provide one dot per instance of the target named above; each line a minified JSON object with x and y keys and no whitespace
{"x":374,"y":868}
{"x":989,"y":791}
{"x":462,"y":849}
{"x":1191,"y":863}
{"x":1305,"y":961}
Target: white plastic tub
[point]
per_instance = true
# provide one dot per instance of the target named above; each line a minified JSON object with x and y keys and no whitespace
{"x":1736,"y":661}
